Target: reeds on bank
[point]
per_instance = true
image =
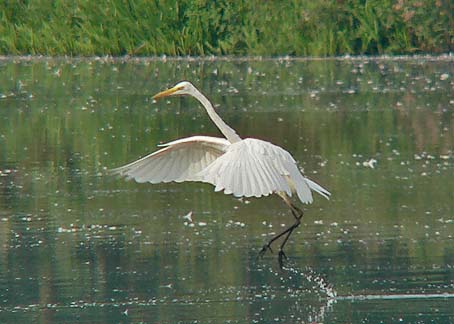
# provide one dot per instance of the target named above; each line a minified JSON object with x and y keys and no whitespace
{"x":243,"y":27}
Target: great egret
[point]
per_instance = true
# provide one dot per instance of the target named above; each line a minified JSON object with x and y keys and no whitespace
{"x":243,"y":167}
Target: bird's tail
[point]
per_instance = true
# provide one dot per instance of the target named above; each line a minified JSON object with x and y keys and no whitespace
{"x":317,"y":188}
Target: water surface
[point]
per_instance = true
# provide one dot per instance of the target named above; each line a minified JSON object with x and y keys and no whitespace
{"x":78,"y":245}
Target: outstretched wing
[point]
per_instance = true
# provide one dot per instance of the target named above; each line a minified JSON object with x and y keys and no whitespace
{"x":178,"y":161}
{"x":257,"y":168}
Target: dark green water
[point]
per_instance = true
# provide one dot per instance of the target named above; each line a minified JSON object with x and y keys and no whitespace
{"x":77,"y":245}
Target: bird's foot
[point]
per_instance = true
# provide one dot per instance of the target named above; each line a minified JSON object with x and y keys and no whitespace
{"x":265,"y":248}
{"x":280,"y":258}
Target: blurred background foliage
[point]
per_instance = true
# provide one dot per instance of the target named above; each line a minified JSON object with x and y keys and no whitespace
{"x":201,"y":27}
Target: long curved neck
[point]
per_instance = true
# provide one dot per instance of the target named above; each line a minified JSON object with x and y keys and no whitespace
{"x":225,"y":129}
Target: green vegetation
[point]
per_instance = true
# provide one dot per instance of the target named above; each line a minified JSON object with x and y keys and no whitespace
{"x":244,"y":27}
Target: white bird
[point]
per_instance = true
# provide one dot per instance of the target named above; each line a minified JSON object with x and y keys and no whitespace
{"x":243,"y":167}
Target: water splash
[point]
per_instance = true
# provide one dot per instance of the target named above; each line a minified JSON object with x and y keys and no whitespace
{"x":313,"y":277}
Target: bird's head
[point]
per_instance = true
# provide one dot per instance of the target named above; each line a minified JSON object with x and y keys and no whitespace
{"x":181,"y":88}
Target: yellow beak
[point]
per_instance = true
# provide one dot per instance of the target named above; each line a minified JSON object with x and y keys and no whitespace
{"x":166,"y":93}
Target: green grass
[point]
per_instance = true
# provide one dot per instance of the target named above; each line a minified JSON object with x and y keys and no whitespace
{"x":202,"y":27}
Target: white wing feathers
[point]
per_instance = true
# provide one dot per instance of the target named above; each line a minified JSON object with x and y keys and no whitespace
{"x":317,"y":188}
{"x":248,"y":168}
{"x":254,"y":168}
{"x":178,"y":161}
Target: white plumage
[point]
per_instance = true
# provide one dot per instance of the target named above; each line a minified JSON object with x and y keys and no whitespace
{"x":255,"y":168}
{"x":180,"y":160}
{"x":242,"y":167}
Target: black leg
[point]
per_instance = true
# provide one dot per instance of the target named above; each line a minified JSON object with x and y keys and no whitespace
{"x":298,"y":214}
{"x":281,"y":254}
{"x":267,"y":246}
